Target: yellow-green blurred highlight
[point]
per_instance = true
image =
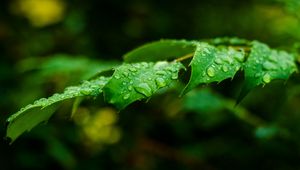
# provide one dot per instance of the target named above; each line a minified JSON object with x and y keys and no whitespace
{"x":278,"y":21}
{"x":40,"y":13}
{"x":97,"y":129}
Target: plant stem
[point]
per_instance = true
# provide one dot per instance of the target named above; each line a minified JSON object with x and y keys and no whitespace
{"x":187,"y":56}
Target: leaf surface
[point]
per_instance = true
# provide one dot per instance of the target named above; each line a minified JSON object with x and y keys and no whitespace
{"x":132,"y":82}
{"x":161,"y":50}
{"x":264,"y":65}
{"x":33,"y":114}
{"x":212,"y":64}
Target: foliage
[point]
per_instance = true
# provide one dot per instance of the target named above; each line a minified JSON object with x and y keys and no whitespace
{"x":131,"y":82}
{"x":46,"y":46}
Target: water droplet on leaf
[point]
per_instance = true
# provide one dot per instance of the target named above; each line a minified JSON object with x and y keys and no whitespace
{"x":132,"y":69}
{"x":174,"y":76}
{"x":125,"y":74}
{"x":160,"y":82}
{"x":269,"y":66}
{"x":117,"y":76}
{"x":267,"y":78}
{"x":160,"y":72}
{"x":144,"y":89}
{"x":210,"y":72}
{"x":218,"y":61}
{"x":85,"y":91}
{"x":225,"y":68}
{"x":126,"y":96}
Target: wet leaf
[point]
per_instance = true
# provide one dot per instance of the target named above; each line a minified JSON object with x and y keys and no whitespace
{"x":132,"y":82}
{"x":33,"y":114}
{"x":212,"y":64}
{"x":264,"y":65}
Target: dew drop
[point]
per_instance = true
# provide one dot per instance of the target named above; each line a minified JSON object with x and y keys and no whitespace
{"x":56,"y":95}
{"x":269,"y":66}
{"x":129,"y":88}
{"x":206,"y":50}
{"x":161,"y":72}
{"x":210,"y":72}
{"x":125,"y":74}
{"x":144,"y":89}
{"x":160,"y":64}
{"x":267,"y":78}
{"x":126,"y":96}
{"x":117,"y":76}
{"x":160,"y":82}
{"x":174,"y":76}
{"x":85,"y":91}
{"x":239,"y":57}
{"x":225,"y":68}
{"x":218,"y":61}
{"x":132,"y":69}
{"x":42,"y":101}
{"x":227,"y":59}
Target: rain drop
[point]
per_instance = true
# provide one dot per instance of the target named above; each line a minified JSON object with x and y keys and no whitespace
{"x":130,"y":88}
{"x":267,"y":78}
{"x":210,"y":72}
{"x":269,"y":66}
{"x":218,"y":61}
{"x":225,"y":68}
{"x":160,"y":82}
{"x":85,"y":91}
{"x":144,"y":89}
{"x":132,"y":69}
{"x":160,"y":72}
{"x":117,"y":76}
{"x":228,"y":59}
{"x":125,"y":74}
{"x":239,"y":57}
{"x":174,"y":76}
{"x":126,"y":96}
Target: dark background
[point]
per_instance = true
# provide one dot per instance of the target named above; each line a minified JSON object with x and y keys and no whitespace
{"x":39,"y":55}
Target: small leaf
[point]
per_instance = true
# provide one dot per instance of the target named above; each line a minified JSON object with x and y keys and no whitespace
{"x":264,"y":65}
{"x":211,"y":64}
{"x":33,"y":114}
{"x":161,"y":50}
{"x":131,"y":82}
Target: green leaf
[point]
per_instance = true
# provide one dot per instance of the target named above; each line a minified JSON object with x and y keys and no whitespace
{"x":63,"y":64}
{"x":212,"y":64}
{"x":229,"y":41}
{"x":33,"y":114}
{"x":264,"y":65}
{"x":131,"y":82}
{"x":161,"y":50}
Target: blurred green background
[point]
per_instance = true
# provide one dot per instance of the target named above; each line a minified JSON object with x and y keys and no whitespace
{"x":46,"y":45}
